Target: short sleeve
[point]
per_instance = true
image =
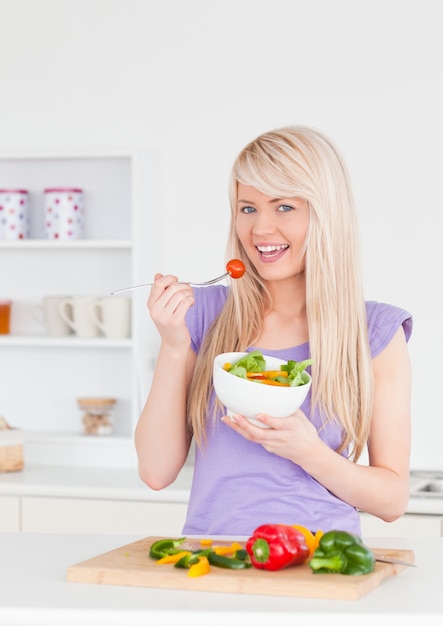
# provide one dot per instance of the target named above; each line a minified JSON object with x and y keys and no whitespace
{"x":208,"y":304}
{"x":383,"y":322}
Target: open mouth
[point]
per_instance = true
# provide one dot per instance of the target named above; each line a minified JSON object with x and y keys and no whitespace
{"x":271,"y":251}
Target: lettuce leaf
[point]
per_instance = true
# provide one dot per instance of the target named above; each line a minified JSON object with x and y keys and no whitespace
{"x":296,"y":372}
{"x":251,"y":362}
{"x":254,"y":362}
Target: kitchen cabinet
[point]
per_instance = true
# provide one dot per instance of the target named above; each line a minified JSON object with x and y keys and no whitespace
{"x":41,"y":376}
{"x":408,"y":525}
{"x":47,"y":499}
{"x":81,"y":515}
{"x":10,"y":514}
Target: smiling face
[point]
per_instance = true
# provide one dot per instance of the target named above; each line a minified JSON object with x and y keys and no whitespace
{"x":273,"y":232}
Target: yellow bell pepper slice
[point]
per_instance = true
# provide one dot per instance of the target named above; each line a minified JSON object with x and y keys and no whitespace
{"x":312,"y":540}
{"x":201,"y":568}
{"x":318,"y":535}
{"x":172,"y":558}
{"x":225,"y":550}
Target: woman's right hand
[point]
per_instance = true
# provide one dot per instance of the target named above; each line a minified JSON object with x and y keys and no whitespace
{"x":168,"y":304}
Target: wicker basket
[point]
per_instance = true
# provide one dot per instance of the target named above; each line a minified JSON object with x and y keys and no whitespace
{"x":11,"y":448}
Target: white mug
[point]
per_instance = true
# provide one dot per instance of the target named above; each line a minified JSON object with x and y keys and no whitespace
{"x":48,"y":314}
{"x":76,"y":311}
{"x":112,"y":315}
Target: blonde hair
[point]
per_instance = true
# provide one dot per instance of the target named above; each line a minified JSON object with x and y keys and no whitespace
{"x":301,"y":162}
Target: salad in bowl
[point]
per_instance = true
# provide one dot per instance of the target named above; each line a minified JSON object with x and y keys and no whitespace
{"x":249,"y":383}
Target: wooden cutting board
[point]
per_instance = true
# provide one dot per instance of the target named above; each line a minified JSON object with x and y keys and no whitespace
{"x":130,"y":565}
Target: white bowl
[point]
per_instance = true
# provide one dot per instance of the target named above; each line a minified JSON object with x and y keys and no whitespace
{"x":249,"y":398}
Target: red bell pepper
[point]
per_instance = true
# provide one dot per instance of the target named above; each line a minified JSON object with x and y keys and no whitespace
{"x":275,"y":546}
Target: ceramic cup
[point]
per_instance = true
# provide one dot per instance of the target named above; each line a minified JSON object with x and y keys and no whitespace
{"x":14,"y":218}
{"x":76,"y":312}
{"x":5,"y":317}
{"x":113,"y":316}
{"x":48,"y":314}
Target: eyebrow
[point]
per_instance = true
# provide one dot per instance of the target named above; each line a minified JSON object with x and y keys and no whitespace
{"x":273,"y":200}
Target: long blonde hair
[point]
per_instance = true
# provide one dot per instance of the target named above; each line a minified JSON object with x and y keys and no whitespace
{"x":301,"y":162}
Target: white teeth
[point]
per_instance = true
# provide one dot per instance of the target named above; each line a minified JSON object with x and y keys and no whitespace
{"x":272,"y":248}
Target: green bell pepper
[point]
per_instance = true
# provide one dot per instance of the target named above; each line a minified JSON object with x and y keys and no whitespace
{"x":164,"y":547}
{"x":341,"y":552}
{"x":227,"y":562}
{"x":187,"y":560}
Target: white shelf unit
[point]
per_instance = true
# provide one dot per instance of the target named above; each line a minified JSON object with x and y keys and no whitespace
{"x":41,"y":376}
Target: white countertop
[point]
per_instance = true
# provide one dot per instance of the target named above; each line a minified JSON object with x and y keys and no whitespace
{"x":125,"y":484}
{"x":34,"y":591}
{"x":91,"y":482}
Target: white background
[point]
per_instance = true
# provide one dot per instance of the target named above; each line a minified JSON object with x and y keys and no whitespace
{"x":194,"y":80}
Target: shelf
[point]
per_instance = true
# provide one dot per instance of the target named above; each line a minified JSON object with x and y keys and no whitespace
{"x":41,"y":376}
{"x":78,"y":450}
{"x":78,"y":244}
{"x":62,"y":342}
{"x":75,"y":438}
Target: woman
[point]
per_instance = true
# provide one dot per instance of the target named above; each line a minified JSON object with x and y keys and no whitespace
{"x":293,"y":224}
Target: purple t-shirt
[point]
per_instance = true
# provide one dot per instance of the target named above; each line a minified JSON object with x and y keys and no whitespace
{"x":238,"y":485}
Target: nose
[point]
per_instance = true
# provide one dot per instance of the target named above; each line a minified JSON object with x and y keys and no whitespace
{"x":264,"y":223}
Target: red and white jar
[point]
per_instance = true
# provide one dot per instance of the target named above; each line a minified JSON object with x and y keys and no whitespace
{"x":64,"y":213}
{"x":14,"y":217}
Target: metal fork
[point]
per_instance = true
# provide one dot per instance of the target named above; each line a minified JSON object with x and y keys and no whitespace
{"x":180,"y":282}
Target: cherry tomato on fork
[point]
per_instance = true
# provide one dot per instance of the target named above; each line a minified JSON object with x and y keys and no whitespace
{"x":235,"y":268}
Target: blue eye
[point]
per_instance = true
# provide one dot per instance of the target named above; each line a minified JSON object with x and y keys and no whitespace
{"x":247,"y":209}
{"x":284,"y":208}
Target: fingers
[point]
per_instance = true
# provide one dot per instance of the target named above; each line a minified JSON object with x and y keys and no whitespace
{"x":161,"y":283}
{"x":278,"y":428}
{"x":168,"y":304}
{"x":168,"y":296}
{"x":250,"y":431}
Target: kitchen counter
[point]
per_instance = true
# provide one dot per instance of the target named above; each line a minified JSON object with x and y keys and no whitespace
{"x":124,"y":484}
{"x":34,"y":591}
{"x":91,"y":482}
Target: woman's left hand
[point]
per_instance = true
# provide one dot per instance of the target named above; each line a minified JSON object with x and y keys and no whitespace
{"x":290,"y":437}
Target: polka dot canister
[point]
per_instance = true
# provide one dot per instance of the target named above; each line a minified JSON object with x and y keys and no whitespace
{"x":64,"y":213}
{"x":14,"y":217}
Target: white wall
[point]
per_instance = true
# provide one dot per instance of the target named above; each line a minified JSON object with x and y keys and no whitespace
{"x":196,"y":79}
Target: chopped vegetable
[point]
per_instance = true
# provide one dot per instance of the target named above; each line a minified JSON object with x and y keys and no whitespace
{"x":275,"y":546}
{"x":173,"y":558}
{"x":206,"y":542}
{"x":165,"y":547}
{"x":169,"y":551}
{"x":241,"y":555}
{"x":200,"y":568}
{"x":189,"y":559}
{"x":227,"y":562}
{"x":312,"y":540}
{"x":340,"y":552}
{"x":252,"y":367}
{"x":227,"y":549}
